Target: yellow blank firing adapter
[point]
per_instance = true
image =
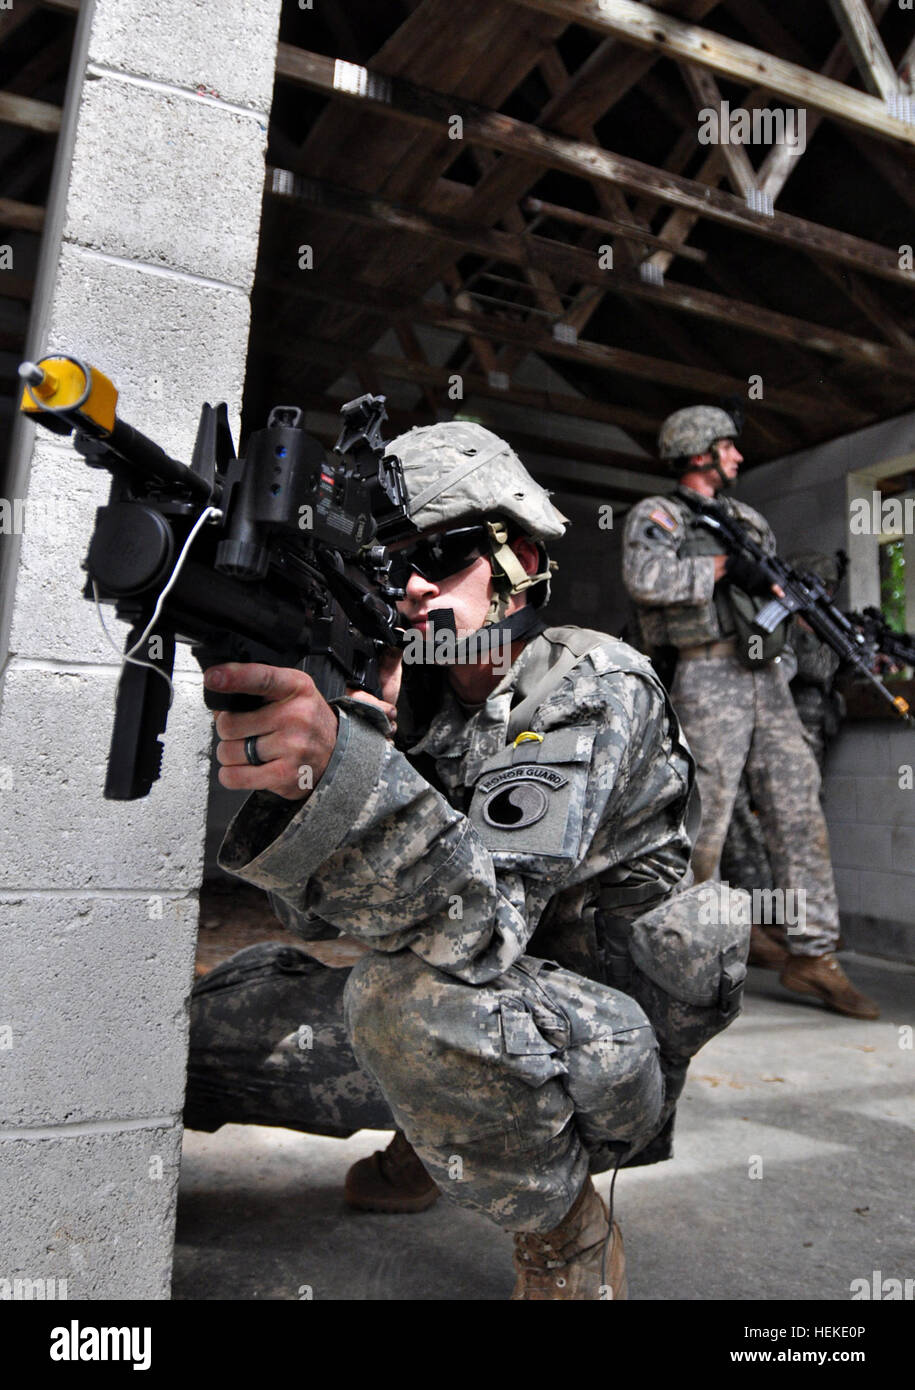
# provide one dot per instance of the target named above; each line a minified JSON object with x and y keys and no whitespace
{"x":66,"y":387}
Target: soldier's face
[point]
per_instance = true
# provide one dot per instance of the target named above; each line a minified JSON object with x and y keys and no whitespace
{"x":729,"y":457}
{"x":467,"y":593}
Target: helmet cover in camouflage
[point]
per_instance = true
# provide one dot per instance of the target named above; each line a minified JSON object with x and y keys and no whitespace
{"x":693,"y":430}
{"x":457,"y":469}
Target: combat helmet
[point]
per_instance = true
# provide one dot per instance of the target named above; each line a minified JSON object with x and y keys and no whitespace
{"x":693,"y":430}
{"x":457,"y":471}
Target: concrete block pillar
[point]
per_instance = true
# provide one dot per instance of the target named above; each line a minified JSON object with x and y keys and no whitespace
{"x":152,"y":239}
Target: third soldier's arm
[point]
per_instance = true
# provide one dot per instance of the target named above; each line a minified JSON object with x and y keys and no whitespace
{"x":654,"y":571}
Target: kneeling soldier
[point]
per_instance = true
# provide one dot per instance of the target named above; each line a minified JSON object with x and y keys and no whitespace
{"x":491,"y":864}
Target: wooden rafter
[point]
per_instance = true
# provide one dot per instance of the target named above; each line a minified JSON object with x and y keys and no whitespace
{"x":781,"y":160}
{"x":419,"y":106}
{"x":323,"y":353}
{"x":645,"y":27}
{"x":29,"y":114}
{"x":704,"y":91}
{"x":575,"y":263}
{"x":866,"y":47}
{"x":585,"y":353}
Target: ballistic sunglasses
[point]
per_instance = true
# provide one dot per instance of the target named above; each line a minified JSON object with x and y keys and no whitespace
{"x":437,"y":557}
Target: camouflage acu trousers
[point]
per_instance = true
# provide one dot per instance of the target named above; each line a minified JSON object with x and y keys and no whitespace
{"x":268,"y":1046}
{"x":736,"y":721}
{"x":509,"y":1092}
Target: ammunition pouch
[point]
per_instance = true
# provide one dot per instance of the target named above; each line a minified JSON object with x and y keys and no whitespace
{"x":768,"y":645}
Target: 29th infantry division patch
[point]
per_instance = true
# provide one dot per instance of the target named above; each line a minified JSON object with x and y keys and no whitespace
{"x":533,"y":808}
{"x":512,"y":800}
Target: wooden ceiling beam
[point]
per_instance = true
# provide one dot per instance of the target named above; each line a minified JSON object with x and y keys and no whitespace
{"x":628,"y":231}
{"x":29,"y":114}
{"x":782,"y":160}
{"x":645,"y":27}
{"x":581,"y":265}
{"x":866,"y":47}
{"x":598,"y":355}
{"x":22,"y":217}
{"x":895,"y":172}
{"x":702,"y":381}
{"x":704,"y":91}
{"x":399,"y":421}
{"x":405,"y":101}
{"x":328,"y":354}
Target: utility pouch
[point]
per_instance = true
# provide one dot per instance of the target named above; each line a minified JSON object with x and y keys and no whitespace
{"x":766,"y":645}
{"x":684,"y":961}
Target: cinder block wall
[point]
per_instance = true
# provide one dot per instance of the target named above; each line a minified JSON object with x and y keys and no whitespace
{"x":871,"y":818}
{"x":98,"y":905}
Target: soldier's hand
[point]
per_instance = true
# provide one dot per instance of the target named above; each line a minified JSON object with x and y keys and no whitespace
{"x":390,"y":671}
{"x":294,"y":731}
{"x":721,"y":562}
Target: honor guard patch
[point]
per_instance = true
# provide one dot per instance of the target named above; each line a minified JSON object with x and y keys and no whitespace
{"x":513,"y":800}
{"x":531,"y":808}
{"x":664,"y":519}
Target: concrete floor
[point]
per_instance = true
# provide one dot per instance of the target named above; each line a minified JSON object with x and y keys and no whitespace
{"x":822,"y":1105}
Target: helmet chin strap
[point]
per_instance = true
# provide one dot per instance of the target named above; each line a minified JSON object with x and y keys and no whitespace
{"x":715,"y":467}
{"x":489,"y":640}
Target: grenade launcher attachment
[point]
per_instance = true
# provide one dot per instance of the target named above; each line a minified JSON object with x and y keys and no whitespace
{"x":276,"y":557}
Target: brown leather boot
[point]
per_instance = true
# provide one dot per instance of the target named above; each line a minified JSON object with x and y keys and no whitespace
{"x":391,"y":1179}
{"x":565,"y":1263}
{"x":824,"y":977}
{"x":765,"y":951}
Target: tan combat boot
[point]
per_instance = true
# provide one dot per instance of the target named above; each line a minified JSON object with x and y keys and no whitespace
{"x":565,"y":1263}
{"x":765,"y":951}
{"x":824,"y":977}
{"x":391,"y":1179}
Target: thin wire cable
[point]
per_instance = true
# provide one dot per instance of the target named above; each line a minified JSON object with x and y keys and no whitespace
{"x":609,"y":1237}
{"x":129,"y":655}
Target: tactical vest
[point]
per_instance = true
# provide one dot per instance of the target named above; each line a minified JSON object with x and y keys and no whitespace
{"x":727,"y":615}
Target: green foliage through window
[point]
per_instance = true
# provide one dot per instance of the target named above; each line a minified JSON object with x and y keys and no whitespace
{"x":892,"y":584}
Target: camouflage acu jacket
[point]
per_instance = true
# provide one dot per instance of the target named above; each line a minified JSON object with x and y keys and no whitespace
{"x":669,"y":572}
{"x":522,"y":834}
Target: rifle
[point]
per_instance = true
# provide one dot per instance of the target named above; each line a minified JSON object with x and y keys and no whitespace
{"x":880,"y":638}
{"x":804,"y":593}
{"x":277,"y":556}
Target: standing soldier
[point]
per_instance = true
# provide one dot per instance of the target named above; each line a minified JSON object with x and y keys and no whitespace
{"x":490,"y":865}
{"x":737,"y":715}
{"x":820,"y":707}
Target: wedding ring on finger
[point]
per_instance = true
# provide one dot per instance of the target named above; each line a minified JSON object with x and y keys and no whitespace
{"x":251,"y":751}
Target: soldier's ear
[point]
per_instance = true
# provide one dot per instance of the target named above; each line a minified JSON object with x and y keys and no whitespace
{"x":527,"y":552}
